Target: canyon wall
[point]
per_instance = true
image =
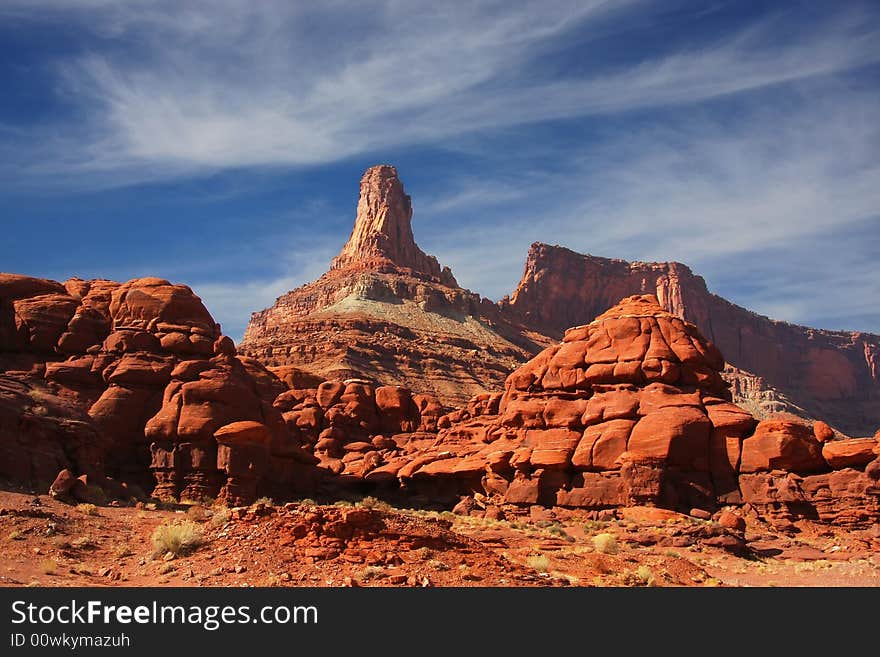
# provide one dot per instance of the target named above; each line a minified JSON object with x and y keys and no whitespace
{"x":831,"y":375}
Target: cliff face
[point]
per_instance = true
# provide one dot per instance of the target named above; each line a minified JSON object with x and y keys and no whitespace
{"x":382,"y":238}
{"x":833,"y":375}
{"x":386,"y":311}
{"x":561,"y":288}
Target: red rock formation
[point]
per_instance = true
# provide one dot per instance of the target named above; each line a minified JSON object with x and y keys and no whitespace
{"x":388,"y":313}
{"x":586,"y":422}
{"x":631,"y":409}
{"x":216,"y":436}
{"x":117,"y":379}
{"x":628,"y":409}
{"x":782,"y":445}
{"x":351,"y":427}
{"x":831,"y":375}
{"x":382,"y":238}
{"x":42,"y":433}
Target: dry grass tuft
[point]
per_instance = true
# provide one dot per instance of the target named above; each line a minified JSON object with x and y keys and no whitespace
{"x":605,"y":544}
{"x":177,"y":539}
{"x":220,"y":517}
{"x":539,"y":562}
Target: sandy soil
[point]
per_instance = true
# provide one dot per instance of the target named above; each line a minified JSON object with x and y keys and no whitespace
{"x":45,"y":542}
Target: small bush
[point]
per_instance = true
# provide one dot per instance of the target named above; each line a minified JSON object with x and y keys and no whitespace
{"x":645,"y":575}
{"x":370,"y":502}
{"x":424,"y":553}
{"x":539,"y":562}
{"x":83,"y":542}
{"x":267,"y":501}
{"x":87,"y":509}
{"x":48,"y":566}
{"x":197,"y":513}
{"x":593,"y":525}
{"x":177,"y":539}
{"x":605,"y":543}
{"x":16,"y":535}
{"x":122,"y":551}
{"x":220,"y":517}
{"x":370,"y":572}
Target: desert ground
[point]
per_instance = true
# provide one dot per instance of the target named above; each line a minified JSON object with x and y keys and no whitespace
{"x":45,"y":542}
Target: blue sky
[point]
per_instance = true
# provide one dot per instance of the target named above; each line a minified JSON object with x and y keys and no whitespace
{"x":220,"y":143}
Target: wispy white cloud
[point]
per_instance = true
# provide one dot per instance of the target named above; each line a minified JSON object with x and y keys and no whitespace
{"x":765,"y":206}
{"x":204,"y":85}
{"x":176,"y":89}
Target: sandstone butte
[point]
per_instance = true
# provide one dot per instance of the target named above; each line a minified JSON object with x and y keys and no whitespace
{"x":388,"y":313}
{"x":116,"y":390}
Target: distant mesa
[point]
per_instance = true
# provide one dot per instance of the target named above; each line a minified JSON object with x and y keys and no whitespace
{"x":773,"y":366}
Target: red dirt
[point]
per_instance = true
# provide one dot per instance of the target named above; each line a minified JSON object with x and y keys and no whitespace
{"x":44,"y":542}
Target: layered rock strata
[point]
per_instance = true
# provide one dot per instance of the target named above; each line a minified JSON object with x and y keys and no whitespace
{"x":388,"y":313}
{"x":631,"y":409}
{"x":829,"y":375}
{"x":133,"y":382}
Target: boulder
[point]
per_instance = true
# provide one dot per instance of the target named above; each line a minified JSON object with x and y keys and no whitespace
{"x":782,"y":445}
{"x":852,"y":453}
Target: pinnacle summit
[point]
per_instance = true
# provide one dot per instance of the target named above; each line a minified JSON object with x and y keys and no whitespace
{"x":382,"y":236}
